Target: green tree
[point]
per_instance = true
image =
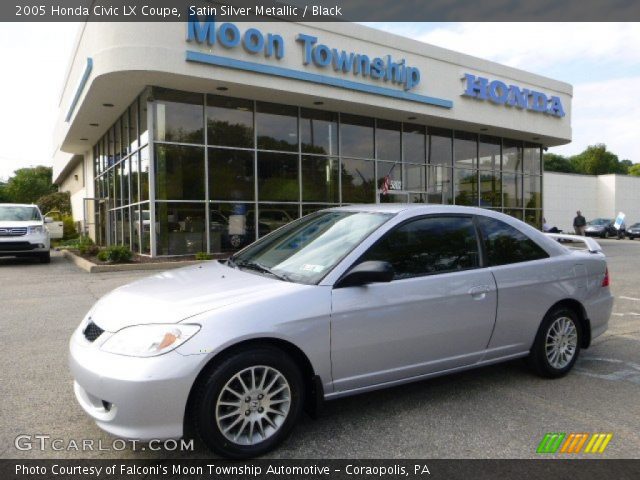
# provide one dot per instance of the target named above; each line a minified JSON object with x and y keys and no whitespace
{"x":60,"y":201}
{"x":557,"y":163}
{"x":635,"y":170}
{"x":625,"y":165}
{"x":596,"y":160}
{"x":4,"y":196}
{"x":29,"y":184}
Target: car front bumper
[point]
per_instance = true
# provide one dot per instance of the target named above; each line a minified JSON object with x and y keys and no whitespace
{"x":130,"y":397}
{"x":24,"y":244}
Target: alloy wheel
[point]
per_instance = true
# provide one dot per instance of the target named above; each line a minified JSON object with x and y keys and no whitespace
{"x":253,"y":405}
{"x":561,"y":342}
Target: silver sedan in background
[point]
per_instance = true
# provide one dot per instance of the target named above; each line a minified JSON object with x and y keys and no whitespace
{"x":339,"y":302}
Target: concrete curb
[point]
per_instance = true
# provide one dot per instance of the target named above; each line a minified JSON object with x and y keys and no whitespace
{"x":91,"y":267}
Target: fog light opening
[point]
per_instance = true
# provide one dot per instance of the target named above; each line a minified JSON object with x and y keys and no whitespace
{"x":107,"y":405}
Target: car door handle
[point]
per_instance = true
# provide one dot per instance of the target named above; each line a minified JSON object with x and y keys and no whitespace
{"x":479,"y":291}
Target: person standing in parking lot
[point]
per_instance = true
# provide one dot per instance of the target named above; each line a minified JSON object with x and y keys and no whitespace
{"x":578,"y":223}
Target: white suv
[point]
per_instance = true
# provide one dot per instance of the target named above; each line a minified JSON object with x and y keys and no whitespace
{"x":23,"y":232}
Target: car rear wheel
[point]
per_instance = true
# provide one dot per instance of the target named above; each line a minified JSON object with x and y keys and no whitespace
{"x":557,"y":344}
{"x":249,"y":404}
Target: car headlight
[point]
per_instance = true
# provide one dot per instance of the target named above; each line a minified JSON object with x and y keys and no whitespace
{"x":36,"y":229}
{"x":149,"y":340}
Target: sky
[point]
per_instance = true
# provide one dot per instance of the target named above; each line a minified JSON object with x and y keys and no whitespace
{"x":600,"y":60}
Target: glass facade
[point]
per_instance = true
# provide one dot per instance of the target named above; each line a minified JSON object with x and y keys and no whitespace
{"x":180,"y":173}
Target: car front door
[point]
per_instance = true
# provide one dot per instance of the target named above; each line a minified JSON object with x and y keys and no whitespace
{"x":438,"y":312}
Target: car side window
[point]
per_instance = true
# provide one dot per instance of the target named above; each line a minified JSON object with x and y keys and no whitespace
{"x":505,"y":244}
{"x":428,"y":246}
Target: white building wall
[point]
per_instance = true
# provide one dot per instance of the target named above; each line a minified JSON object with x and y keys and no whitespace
{"x":628,"y":197}
{"x":564,"y":194}
{"x":595,"y":196}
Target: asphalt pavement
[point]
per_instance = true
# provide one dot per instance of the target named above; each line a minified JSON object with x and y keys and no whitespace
{"x":501,"y":411}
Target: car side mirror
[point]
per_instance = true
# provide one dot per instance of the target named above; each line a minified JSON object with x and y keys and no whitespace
{"x":373,"y":271}
{"x":48,"y":220}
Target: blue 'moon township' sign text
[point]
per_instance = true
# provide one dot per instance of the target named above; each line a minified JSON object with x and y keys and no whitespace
{"x":253,"y":41}
{"x":511,"y":95}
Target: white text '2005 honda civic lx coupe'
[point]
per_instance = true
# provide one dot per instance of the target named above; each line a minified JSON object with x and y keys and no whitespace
{"x":339,"y":302}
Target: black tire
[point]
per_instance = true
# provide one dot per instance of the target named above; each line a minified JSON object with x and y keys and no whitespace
{"x":538,"y":359}
{"x":45,"y":257}
{"x":203,"y":414}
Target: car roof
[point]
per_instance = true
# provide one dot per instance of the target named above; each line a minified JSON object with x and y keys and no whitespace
{"x":18,"y":205}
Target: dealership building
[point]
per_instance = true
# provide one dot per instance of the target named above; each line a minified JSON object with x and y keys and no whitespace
{"x":178,"y":138}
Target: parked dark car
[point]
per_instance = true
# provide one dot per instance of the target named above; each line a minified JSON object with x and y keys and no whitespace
{"x":600,"y":227}
{"x":633,"y":231}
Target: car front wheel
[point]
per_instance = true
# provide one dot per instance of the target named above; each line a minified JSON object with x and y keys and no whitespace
{"x":249,"y":404}
{"x":557,"y":344}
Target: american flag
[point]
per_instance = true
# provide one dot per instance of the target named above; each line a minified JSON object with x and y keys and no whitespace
{"x":386,"y":185}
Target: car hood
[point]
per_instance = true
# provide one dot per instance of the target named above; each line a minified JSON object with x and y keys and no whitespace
{"x":18,"y":223}
{"x":177,"y":295}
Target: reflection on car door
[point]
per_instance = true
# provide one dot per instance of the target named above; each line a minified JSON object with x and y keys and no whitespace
{"x":438,"y":312}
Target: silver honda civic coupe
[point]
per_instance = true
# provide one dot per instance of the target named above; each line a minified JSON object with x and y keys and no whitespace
{"x":340,"y":302}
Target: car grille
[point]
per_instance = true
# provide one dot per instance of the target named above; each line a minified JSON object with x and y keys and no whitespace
{"x":16,"y":246}
{"x":13,"y":232}
{"x":92,"y":331}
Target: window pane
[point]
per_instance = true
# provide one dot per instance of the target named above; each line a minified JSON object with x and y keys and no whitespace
{"x":393,"y":171}
{"x":135,"y":178}
{"x":489,"y":153}
{"x":532,"y":161}
{"x":117,"y":138}
{"x":466,"y":186}
{"x":144,"y":130}
{"x":126,"y":227}
{"x":307,"y":209}
{"x":229,"y":121}
{"x":124,"y":148}
{"x":505,"y":244}
{"x":277,"y":127}
{"x":181,"y":228}
{"x":511,"y":190}
{"x":273,"y":216}
{"x":388,"y":140}
{"x":413,"y":143}
{"x":490,"y":189}
{"x":179,"y":172}
{"x":144,"y":174}
{"x":512,"y":156}
{"x":440,"y":147}
{"x":440,"y":186}
{"x":118,"y":185}
{"x":532,"y":192}
{"x":278,"y":177}
{"x":358,"y":182}
{"x":415,"y":177}
{"x":126,"y":174}
{"x":145,"y":227}
{"x":133,"y":126}
{"x":110,"y":147}
{"x":320,"y":179}
{"x":533,"y":218}
{"x":178,"y":116}
{"x":465,"y":150}
{"x":514,"y":212}
{"x":229,"y":230}
{"x":356,"y":136}
{"x":428,"y":246}
{"x":319,"y":132}
{"x":231,"y":174}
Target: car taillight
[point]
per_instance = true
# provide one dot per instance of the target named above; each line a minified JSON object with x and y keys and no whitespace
{"x":605,"y":280}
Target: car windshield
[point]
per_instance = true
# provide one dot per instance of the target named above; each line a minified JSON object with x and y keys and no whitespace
{"x":635,"y":225}
{"x":599,"y":221}
{"x":304,"y":251}
{"x":12,"y":213}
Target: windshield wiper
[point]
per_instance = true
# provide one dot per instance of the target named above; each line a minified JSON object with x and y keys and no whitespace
{"x":261,"y":268}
